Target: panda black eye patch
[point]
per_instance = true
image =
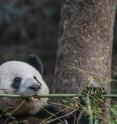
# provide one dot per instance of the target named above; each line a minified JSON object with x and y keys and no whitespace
{"x":16,"y":82}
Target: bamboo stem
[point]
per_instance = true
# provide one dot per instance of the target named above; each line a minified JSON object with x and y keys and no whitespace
{"x":55,"y":95}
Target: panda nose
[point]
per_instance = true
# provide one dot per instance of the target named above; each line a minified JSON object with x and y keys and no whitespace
{"x":35,"y":87}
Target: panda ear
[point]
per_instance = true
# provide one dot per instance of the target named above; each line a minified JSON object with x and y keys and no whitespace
{"x":34,"y":61}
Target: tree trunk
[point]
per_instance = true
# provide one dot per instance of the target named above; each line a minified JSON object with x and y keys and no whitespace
{"x":85,"y":44}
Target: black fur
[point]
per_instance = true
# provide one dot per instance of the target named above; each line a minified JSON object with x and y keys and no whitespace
{"x":16,"y":82}
{"x":34,"y":61}
{"x":50,"y":111}
{"x":61,"y":116}
{"x":73,"y":119}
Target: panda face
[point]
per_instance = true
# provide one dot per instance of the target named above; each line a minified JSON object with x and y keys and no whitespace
{"x":21,"y":78}
{"x":24,"y":79}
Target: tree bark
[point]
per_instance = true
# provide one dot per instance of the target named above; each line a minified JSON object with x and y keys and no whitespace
{"x":85,"y":44}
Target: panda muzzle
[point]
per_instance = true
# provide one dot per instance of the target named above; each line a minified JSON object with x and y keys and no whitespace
{"x":35,"y":87}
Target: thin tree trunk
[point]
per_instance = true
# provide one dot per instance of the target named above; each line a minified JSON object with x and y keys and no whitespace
{"x":85,"y":44}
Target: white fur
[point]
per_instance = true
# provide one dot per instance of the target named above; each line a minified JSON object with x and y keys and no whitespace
{"x":11,"y":69}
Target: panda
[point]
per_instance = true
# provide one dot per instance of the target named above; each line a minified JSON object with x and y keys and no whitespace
{"x":25,"y":79}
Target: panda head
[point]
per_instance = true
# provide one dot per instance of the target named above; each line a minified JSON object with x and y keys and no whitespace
{"x":23,"y":78}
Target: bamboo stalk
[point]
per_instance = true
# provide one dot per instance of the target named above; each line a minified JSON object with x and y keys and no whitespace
{"x":54,"y":95}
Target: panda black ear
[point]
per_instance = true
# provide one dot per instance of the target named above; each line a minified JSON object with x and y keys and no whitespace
{"x":34,"y":61}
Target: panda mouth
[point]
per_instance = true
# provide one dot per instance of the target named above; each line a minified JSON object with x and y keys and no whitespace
{"x":34,"y":98}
